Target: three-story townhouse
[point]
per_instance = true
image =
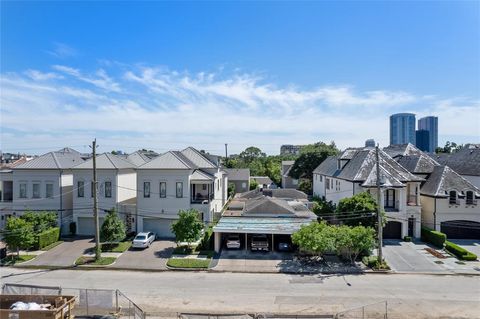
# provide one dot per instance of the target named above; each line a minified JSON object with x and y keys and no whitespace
{"x":174,"y":181}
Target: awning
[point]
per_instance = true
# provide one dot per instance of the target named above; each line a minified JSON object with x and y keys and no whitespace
{"x":260,"y":225}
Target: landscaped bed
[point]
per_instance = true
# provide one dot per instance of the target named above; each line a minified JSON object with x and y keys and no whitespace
{"x":116,"y":247}
{"x":190,"y":263}
{"x":184,"y":250}
{"x":102,"y":261}
{"x":14,"y":259}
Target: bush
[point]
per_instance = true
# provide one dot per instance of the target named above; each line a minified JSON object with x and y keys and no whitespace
{"x":407,"y":238}
{"x":460,"y":252}
{"x":372,"y":262}
{"x":207,"y":240}
{"x":48,"y":237}
{"x":433,"y":237}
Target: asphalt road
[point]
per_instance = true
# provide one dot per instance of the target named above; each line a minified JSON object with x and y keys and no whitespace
{"x":408,"y":295}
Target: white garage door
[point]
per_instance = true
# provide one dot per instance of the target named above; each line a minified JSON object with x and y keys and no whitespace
{"x":86,"y":225}
{"x":160,"y":226}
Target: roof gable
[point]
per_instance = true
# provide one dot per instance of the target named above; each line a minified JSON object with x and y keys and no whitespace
{"x":444,"y":179}
{"x":65,"y":158}
{"x":169,"y":160}
{"x":106,"y":161}
{"x":197,"y":158}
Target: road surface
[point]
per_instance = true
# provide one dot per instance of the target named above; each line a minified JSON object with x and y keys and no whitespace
{"x":408,"y":296}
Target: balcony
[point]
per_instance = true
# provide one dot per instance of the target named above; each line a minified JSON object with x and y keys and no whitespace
{"x":412,"y":200}
{"x":469,"y":201}
{"x":391,"y":206}
{"x":201,"y":198}
{"x":453,"y":201}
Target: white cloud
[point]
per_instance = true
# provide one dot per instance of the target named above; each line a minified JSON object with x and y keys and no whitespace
{"x":62,"y":50}
{"x":161,"y":109}
{"x":42,"y":76}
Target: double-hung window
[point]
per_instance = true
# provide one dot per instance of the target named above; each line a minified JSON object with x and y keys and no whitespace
{"x":49,"y":190}
{"x":179,"y":189}
{"x":146,"y":189}
{"x":163,"y":189}
{"x":36,"y":190}
{"x":80,"y":189}
{"x":108,"y":189}
{"x":23,"y":190}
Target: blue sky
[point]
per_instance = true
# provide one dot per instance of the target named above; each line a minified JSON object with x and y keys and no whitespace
{"x":165,"y":75}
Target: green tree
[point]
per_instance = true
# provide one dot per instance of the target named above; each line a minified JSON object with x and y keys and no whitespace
{"x":251,"y":153}
{"x":40,"y":221}
{"x":316,"y":239}
{"x":231,"y":189}
{"x":188,"y":227}
{"x":19,"y":234}
{"x":305,"y":185}
{"x":450,"y":147}
{"x":350,"y":242}
{"x":310,"y":157}
{"x":359,"y":209}
{"x":253,"y":184}
{"x":323,"y":209}
{"x":113,"y":228}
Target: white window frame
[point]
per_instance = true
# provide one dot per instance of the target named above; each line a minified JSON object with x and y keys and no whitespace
{"x":25,"y":189}
{"x":36,"y":193}
{"x":177,"y":189}
{"x":145,"y":193}
{"x":164,"y":193}
{"x":47,"y":195}
{"x":81,"y":188}
{"x":105,"y":189}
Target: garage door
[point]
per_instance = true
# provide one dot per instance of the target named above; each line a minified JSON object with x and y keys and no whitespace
{"x":160,"y":226}
{"x":392,"y":230}
{"x":86,"y":225}
{"x":461,"y":229}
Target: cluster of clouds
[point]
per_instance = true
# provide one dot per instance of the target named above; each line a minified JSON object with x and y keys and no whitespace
{"x":132,"y":106}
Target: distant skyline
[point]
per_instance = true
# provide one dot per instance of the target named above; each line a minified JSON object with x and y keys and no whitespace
{"x":165,"y":75}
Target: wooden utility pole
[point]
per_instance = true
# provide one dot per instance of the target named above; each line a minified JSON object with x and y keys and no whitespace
{"x":95,"y":201}
{"x":226,"y":154}
{"x":379,"y":214}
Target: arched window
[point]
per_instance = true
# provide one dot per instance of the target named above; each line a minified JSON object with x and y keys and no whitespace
{"x":469,"y":197}
{"x":453,"y":197}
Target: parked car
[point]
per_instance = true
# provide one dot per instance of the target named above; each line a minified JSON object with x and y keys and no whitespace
{"x":284,"y":246}
{"x":233,"y":242}
{"x":259,"y":242}
{"x":143,"y":240}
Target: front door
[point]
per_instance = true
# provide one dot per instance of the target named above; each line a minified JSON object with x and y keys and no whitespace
{"x":411,"y":227}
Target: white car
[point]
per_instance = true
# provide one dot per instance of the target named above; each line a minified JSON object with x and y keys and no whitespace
{"x":233,"y":242}
{"x":143,"y":240}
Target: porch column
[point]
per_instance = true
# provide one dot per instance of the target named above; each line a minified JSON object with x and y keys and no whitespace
{"x":273,"y":243}
{"x":246,"y":241}
{"x":218,"y":241}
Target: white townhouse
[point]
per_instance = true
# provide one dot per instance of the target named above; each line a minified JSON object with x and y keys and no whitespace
{"x":117,"y":182}
{"x":354,"y":171}
{"x":45,"y":184}
{"x":449,"y":200}
{"x":178,"y":180}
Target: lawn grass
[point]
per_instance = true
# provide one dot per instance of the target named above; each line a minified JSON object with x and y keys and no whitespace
{"x":184,"y":250}
{"x":14,"y":259}
{"x":116,"y":247}
{"x":191,"y":263}
{"x":53,"y":245}
{"x":103,"y":261}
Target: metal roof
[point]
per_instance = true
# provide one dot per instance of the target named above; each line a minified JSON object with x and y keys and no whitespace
{"x":201,"y":176}
{"x":260,"y":225}
{"x":169,"y":160}
{"x":106,"y":161}
{"x":197,"y":158}
{"x":139,"y":158}
{"x":62,"y":159}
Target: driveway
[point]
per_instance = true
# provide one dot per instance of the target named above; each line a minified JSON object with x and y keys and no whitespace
{"x":154,"y":257}
{"x":409,"y":257}
{"x":64,"y":255}
{"x":248,"y":261}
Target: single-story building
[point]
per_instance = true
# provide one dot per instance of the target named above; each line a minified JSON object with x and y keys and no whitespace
{"x":240,"y":177}
{"x":255,"y":213}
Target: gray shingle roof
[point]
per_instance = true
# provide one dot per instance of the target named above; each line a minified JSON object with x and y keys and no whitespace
{"x":418,"y":164}
{"x":107,"y":161}
{"x":238,"y":174}
{"x":262,"y":179}
{"x":285,"y":193}
{"x":360,"y":167}
{"x":197,"y":158}
{"x":465,"y":161}
{"x":169,"y":160}
{"x":199,"y":175}
{"x":63,"y":159}
{"x":395,"y":150}
{"x":444,"y":179}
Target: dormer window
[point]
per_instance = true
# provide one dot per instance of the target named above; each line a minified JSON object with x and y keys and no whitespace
{"x":453,"y":198}
{"x":469,"y":198}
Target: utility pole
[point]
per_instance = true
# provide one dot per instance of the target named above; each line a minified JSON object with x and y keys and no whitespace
{"x":379,"y":215}
{"x":95,"y":201}
{"x":226,"y":154}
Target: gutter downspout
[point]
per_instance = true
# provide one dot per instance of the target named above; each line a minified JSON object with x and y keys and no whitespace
{"x":435,"y":213}
{"x":61,"y":203}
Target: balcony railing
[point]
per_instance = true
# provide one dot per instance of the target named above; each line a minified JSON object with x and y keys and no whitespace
{"x":391,"y":206}
{"x":201,"y":199}
{"x":412,"y":200}
{"x":471,"y":201}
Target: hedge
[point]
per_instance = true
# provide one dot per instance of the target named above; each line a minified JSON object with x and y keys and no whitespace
{"x":48,"y":237}
{"x":460,"y":252}
{"x":433,"y":237}
{"x":207,"y":240}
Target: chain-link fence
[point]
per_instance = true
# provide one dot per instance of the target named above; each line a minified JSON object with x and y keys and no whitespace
{"x":372,"y":311}
{"x":88,"y":302}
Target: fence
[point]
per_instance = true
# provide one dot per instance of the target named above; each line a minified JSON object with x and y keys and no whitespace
{"x":88,"y":302}
{"x":377,"y":310}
